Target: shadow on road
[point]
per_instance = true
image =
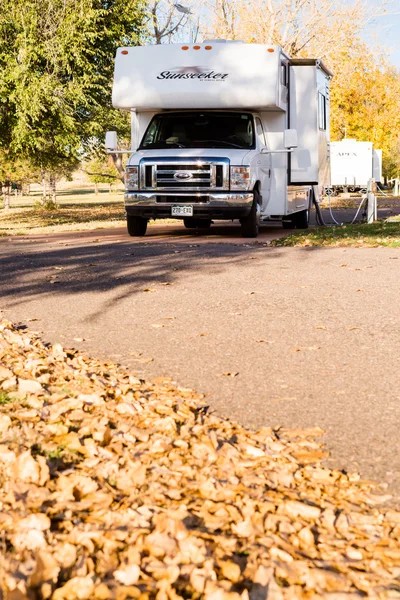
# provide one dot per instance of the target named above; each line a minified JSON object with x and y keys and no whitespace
{"x":31,"y":270}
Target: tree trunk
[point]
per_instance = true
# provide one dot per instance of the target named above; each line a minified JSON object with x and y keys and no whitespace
{"x":117,"y":160}
{"x":6,"y":195}
{"x":53,"y":193}
{"x":44,"y":187}
{"x":109,"y":188}
{"x":96,"y":189}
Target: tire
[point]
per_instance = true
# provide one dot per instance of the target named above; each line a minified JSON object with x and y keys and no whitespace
{"x":251,"y":223}
{"x":288,"y":224}
{"x":137,"y":226}
{"x":191,"y":223}
{"x":301,"y":219}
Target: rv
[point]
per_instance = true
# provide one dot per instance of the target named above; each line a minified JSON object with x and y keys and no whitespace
{"x":353,"y":164}
{"x":222,"y":130}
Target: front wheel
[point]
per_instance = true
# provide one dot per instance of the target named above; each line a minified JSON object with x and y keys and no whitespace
{"x":137,"y":226}
{"x":251,"y":223}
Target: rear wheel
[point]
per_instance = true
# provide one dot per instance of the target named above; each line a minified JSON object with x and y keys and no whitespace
{"x":251,"y":223}
{"x":137,"y":226}
{"x":197,"y":223}
{"x":301,"y":219}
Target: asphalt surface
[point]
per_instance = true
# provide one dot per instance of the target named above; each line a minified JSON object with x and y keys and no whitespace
{"x":296,"y":337}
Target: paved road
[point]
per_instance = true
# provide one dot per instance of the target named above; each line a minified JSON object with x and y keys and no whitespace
{"x":312,"y":333}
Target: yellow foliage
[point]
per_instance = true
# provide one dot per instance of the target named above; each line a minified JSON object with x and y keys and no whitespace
{"x":366,"y":102}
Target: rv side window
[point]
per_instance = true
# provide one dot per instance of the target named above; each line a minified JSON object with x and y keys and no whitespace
{"x":284,"y":77}
{"x":322,"y":111}
{"x":260,"y":132}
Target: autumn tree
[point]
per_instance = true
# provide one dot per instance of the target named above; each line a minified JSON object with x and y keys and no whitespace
{"x":366,"y":102}
{"x":365,"y":89}
{"x":301,"y":27}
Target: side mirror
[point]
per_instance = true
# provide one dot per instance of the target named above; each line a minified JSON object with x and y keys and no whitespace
{"x":290,"y":139}
{"x":111,"y":140}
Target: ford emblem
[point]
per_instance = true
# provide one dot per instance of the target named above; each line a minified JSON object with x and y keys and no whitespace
{"x":181,"y":175}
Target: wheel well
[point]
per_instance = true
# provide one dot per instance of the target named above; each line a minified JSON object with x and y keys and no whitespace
{"x":257,"y":188}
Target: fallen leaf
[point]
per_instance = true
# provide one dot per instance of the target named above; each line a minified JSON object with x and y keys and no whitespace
{"x":26,"y":386}
{"x":129,"y":575}
{"x":143,"y":361}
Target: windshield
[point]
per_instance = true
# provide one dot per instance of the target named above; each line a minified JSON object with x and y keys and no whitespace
{"x":200,"y":130}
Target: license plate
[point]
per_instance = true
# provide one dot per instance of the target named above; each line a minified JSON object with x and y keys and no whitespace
{"x":181,"y":210}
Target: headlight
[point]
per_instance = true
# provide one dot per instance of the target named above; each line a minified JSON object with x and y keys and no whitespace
{"x":240,"y":178}
{"x":132,"y":178}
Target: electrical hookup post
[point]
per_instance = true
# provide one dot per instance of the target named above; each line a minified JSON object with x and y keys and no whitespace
{"x":372,"y":211}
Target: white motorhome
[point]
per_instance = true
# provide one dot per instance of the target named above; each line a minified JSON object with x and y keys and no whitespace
{"x":222,"y":130}
{"x":353,"y":164}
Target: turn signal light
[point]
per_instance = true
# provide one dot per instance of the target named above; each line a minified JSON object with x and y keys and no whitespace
{"x":271,"y":50}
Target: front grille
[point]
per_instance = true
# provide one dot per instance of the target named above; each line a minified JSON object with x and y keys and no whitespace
{"x":168,"y":176}
{"x":163,"y":174}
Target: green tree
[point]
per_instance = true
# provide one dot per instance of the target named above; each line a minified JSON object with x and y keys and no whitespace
{"x":56,"y":68}
{"x":15,"y":171}
{"x":101,"y":170}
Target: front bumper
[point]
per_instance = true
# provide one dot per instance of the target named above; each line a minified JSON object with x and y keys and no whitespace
{"x":225,"y":205}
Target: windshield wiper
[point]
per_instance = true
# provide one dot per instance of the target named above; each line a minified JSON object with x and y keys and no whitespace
{"x":162,"y":146}
{"x":220,"y":142}
{"x":176,"y":145}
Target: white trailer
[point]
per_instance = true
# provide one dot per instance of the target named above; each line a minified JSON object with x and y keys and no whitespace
{"x":222,"y":130}
{"x":353,"y":164}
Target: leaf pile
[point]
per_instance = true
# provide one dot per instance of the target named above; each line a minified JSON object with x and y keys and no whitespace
{"x":112,"y":487}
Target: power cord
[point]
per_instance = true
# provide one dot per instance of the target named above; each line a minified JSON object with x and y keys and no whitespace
{"x":320,"y":219}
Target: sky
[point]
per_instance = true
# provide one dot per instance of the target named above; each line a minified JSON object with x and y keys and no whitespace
{"x":386,"y":31}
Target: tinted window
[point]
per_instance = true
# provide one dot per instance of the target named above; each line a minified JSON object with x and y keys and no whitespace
{"x":321,"y":111}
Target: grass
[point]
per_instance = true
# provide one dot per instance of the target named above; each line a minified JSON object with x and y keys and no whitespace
{"x":77,"y":210}
{"x":382,"y":233}
{"x":5,"y":398}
